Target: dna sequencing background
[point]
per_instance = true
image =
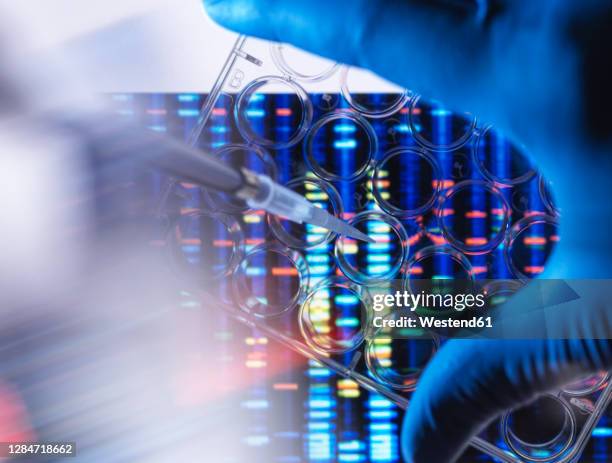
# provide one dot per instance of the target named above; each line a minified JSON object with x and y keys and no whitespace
{"x":292,"y":409}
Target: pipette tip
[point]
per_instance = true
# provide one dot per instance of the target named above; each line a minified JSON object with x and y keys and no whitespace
{"x":356,"y":234}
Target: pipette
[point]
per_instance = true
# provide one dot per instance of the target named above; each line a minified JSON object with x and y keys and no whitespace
{"x":278,"y":200}
{"x":192,"y":164}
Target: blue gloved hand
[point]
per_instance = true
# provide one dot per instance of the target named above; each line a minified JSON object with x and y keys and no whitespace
{"x":541,"y":71}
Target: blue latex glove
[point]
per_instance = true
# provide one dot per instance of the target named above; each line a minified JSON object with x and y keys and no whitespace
{"x":539,"y":70}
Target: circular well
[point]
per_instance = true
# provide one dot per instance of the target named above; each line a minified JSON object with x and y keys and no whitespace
{"x":484,"y":215}
{"x":441,"y":270}
{"x":541,"y":431}
{"x":587,"y":385}
{"x":529,"y":243}
{"x":334,"y":316}
{"x":371,"y":105}
{"x":270,"y":280}
{"x":497,"y":292}
{"x":301,"y":65}
{"x":500,"y":161}
{"x":397,"y":359}
{"x":340,"y":147}
{"x":546,"y":194}
{"x":406,"y":182}
{"x":429,"y":262}
{"x":205,"y":246}
{"x":302,"y":236}
{"x":250,"y":111}
{"x":437,"y":128}
{"x":355,"y":258}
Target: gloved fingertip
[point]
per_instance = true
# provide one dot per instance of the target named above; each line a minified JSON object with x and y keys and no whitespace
{"x":218,"y":9}
{"x":411,"y":438}
{"x":407,"y":446}
{"x":250,"y":17}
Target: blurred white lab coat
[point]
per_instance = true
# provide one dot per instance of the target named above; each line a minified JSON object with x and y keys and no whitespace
{"x":89,"y":335}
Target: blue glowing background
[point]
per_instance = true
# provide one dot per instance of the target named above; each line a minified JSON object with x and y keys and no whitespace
{"x":294,"y":410}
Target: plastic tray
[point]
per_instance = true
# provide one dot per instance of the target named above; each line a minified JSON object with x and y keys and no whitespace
{"x":363,"y":156}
